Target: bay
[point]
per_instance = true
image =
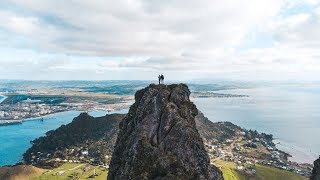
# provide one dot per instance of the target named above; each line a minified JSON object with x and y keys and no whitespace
{"x":15,"y":139}
{"x":290,"y":113}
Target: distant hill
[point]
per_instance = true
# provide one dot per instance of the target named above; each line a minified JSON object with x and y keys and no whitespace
{"x":85,"y":139}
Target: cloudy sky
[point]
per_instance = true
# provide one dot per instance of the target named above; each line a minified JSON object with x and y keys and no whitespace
{"x":138,"y":39}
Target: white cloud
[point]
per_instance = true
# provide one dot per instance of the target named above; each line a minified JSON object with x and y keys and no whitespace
{"x":159,"y":35}
{"x":151,"y":28}
{"x":299,"y":30}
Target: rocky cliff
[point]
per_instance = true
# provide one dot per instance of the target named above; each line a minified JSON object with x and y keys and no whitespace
{"x":316,"y":170}
{"x":158,"y":138}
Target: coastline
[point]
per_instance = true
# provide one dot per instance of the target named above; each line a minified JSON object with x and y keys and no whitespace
{"x":44,"y":116}
{"x":34,"y":118}
{"x":61,"y":112}
{"x":33,"y":128}
{"x":273,"y":116}
{"x":297,"y":154}
{"x":3,"y":97}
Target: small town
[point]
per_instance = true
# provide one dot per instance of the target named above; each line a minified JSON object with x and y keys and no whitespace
{"x":37,"y":108}
{"x":27,"y":109}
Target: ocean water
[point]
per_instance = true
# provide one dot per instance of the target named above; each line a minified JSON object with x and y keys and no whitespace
{"x":2,"y":98}
{"x":15,"y":139}
{"x":290,"y":113}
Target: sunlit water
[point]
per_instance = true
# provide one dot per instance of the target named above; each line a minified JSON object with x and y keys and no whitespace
{"x":290,"y":113}
{"x":15,"y":139}
{"x":2,"y":98}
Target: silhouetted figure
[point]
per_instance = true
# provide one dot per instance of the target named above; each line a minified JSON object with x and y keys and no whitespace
{"x":159,"y":78}
{"x":162,"y":78}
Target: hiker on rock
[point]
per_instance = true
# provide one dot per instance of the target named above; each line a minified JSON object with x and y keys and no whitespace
{"x":161,"y":79}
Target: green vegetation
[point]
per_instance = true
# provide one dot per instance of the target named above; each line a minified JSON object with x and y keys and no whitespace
{"x":74,"y":171}
{"x":263,"y":172}
{"x":97,"y":136}
{"x":229,"y":170}
{"x":267,"y":172}
{"x":20,"y":172}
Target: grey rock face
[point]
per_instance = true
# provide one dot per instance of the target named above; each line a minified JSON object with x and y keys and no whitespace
{"x":316,"y":170}
{"x":158,"y":138}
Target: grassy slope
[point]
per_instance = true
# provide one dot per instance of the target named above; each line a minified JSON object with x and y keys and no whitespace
{"x":267,"y":172}
{"x":229,"y":170}
{"x":19,"y":172}
{"x":263,"y":173}
{"x":73,"y":171}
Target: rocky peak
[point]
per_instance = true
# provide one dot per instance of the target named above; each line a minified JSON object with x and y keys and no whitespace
{"x":316,"y":170}
{"x":158,"y":138}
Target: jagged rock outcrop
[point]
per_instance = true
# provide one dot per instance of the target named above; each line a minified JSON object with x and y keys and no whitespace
{"x":316,"y":170}
{"x":158,"y":138}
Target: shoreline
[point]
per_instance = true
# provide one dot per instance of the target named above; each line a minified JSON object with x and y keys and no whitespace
{"x":34,"y":118}
{"x":61,"y":112}
{"x":297,"y":154}
{"x":34,"y":128}
{"x":270,"y":119}
{"x":44,"y":116}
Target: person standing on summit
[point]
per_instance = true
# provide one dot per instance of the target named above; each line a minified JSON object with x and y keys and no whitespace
{"x":159,"y":78}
